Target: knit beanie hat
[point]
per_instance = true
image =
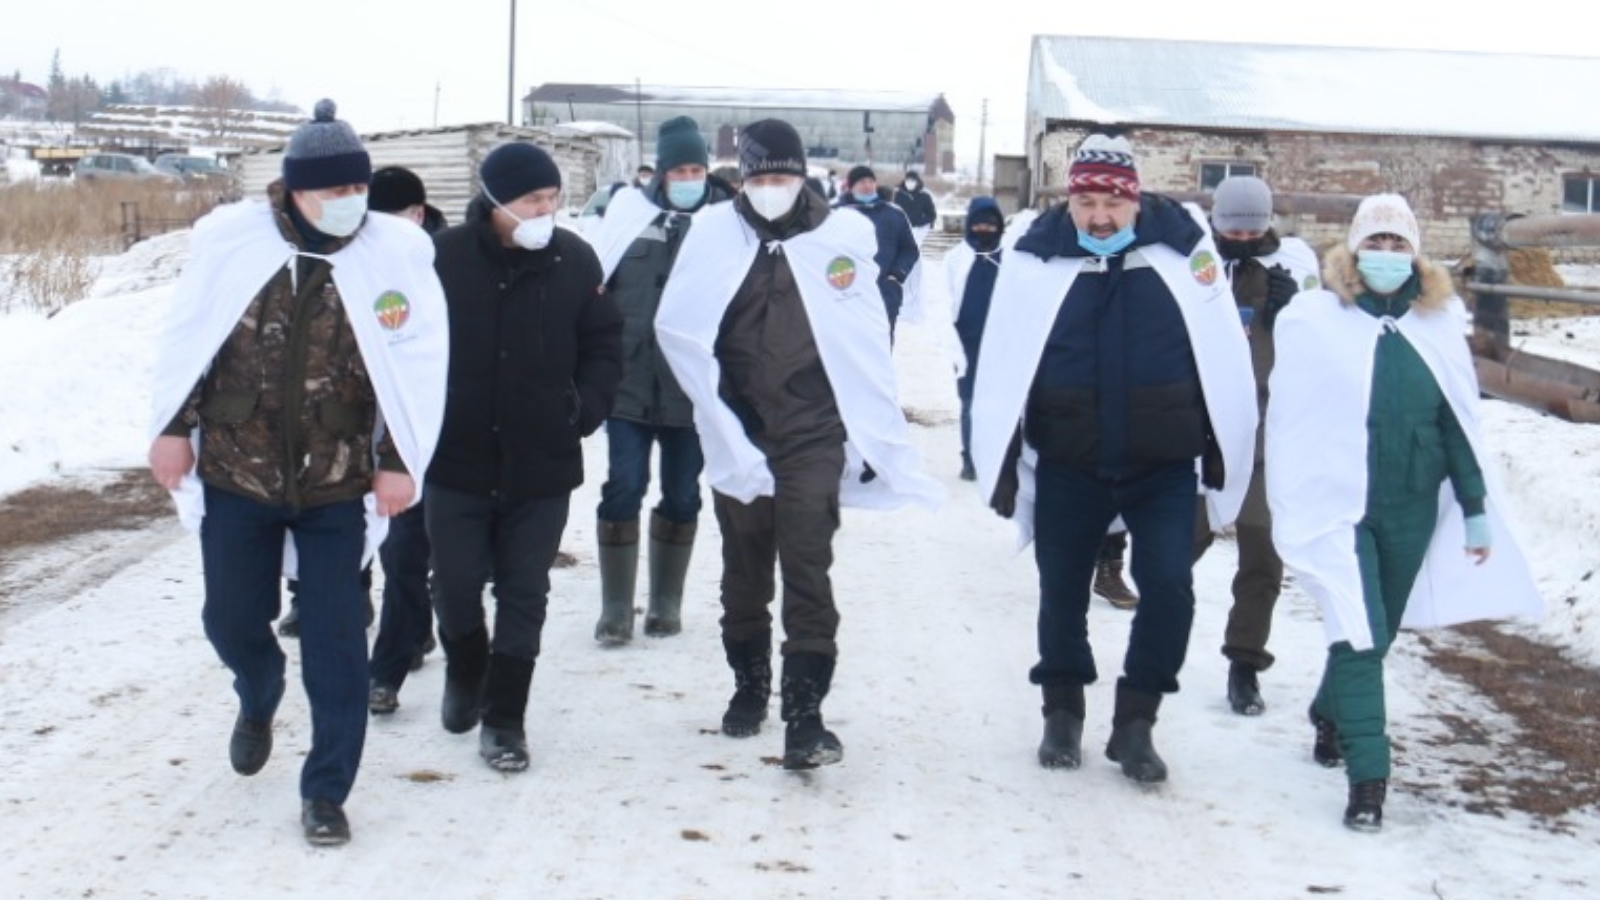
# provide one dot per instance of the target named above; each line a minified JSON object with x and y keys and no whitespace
{"x":325,"y":153}
{"x":1104,"y":165}
{"x":858,"y":173}
{"x":679,"y":143}
{"x":511,"y":170}
{"x":394,"y":189}
{"x":1241,"y":203}
{"x":1384,"y":214}
{"x":771,"y":147}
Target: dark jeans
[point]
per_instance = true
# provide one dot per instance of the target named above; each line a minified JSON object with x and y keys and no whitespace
{"x":514,"y":542}
{"x":793,"y":529}
{"x":964,"y":394}
{"x":1073,"y":511}
{"x":241,"y":546}
{"x":628,"y":476}
{"x":407,"y":615}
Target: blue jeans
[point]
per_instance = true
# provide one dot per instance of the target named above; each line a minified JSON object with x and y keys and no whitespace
{"x":407,"y":615}
{"x":1073,"y":510}
{"x":964,"y":394}
{"x":241,"y":547}
{"x":628,"y":476}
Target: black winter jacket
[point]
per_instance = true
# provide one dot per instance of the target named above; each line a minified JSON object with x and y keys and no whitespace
{"x":535,"y":358}
{"x":897,"y":252}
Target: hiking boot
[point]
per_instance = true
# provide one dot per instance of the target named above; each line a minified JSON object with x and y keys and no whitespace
{"x":1108,"y":583}
{"x":250,"y":746}
{"x":505,"y":749}
{"x":382,"y":700}
{"x":1062,"y":746}
{"x":324,"y":823}
{"x":1365,"y":809}
{"x":751,"y":662}
{"x":1244,"y":691}
{"x":1325,"y":748}
{"x":289,"y":625}
{"x":807,"y":743}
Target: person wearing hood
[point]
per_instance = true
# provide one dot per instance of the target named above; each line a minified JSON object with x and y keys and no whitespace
{"x":1381,"y":503}
{"x":970,"y":269}
{"x":1266,"y":270}
{"x":298,"y":397}
{"x":638,"y":244}
{"x":773,"y":325}
{"x":535,"y":360}
{"x":896,"y":249}
{"x":1125,"y":371}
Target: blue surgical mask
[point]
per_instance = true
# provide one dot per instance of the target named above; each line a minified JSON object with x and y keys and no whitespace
{"x":686,"y":194}
{"x":1106,"y":246}
{"x":1384,"y":271}
{"x":341,"y":216}
{"x":865,"y":198}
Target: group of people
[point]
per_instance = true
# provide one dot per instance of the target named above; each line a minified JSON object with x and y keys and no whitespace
{"x":327,"y":367}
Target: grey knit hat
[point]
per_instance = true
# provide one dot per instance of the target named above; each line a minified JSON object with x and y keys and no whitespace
{"x":325,"y":153}
{"x":1241,"y":203}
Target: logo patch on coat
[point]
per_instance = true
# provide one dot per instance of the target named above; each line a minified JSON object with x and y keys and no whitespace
{"x":1311,"y":283}
{"x":392,"y":310}
{"x":1203,"y":266}
{"x":842,"y":272}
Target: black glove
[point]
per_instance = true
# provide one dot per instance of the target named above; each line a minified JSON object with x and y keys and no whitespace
{"x":1281,"y":288}
{"x":867,"y":475}
{"x":1004,"y":500}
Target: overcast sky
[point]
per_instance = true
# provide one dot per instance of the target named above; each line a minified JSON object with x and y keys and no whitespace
{"x":405,"y":63}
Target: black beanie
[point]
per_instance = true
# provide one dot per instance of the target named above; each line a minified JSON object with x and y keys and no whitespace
{"x":511,"y":170}
{"x":771,"y":147}
{"x":324,"y":153}
{"x":678,"y":143}
{"x":858,"y":173}
{"x":395,"y":189}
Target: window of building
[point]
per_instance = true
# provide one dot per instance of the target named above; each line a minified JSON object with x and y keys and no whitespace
{"x":1211,"y":174}
{"x":1580,"y":194}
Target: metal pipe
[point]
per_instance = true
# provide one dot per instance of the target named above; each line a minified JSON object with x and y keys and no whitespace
{"x":1562,"y":295}
{"x":1521,"y":232}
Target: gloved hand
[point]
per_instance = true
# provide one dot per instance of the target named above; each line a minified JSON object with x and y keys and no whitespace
{"x":1281,"y":288}
{"x":1006,"y":485}
{"x":1478,"y":537}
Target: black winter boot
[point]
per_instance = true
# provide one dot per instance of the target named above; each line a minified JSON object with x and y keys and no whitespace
{"x":1062,"y":747}
{"x":751,"y":662}
{"x":619,"y":572}
{"x":1365,"y":809}
{"x":1325,"y":745}
{"x":1244,"y":691}
{"x":806,"y":742}
{"x":671,"y":545}
{"x":466,"y":664}
{"x":1131,"y":745}
{"x":503,"y":742}
{"x":1108,"y":583}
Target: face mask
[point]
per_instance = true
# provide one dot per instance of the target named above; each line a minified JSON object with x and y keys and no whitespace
{"x":865,"y":198}
{"x":530,"y":234}
{"x":1237,"y":250}
{"x":912,"y":184}
{"x":1106,"y":246}
{"x":341,"y":216}
{"x":1384,"y":270}
{"x":685,"y":194}
{"x":984,"y":241}
{"x":772,"y":201}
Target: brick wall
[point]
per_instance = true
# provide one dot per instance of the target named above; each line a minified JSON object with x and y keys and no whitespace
{"x":1446,"y":180}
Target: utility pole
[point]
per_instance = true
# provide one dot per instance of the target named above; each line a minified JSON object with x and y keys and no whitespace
{"x":511,"y":68}
{"x":436,"y":104}
{"x":638,"y":112}
{"x":983,"y":134}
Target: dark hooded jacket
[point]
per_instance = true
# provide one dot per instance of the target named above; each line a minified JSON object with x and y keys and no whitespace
{"x":897,"y":247}
{"x":1117,"y":390}
{"x":535,"y":358}
{"x":979,"y":288}
{"x":649,"y":393}
{"x":918,"y":205}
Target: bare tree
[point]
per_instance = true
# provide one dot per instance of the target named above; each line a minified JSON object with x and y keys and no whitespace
{"x":221,"y":105}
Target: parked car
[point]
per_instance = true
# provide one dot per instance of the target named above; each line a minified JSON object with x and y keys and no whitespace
{"x":120,"y":167}
{"x":193,"y":168}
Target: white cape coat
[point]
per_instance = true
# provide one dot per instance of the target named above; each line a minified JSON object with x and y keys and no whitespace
{"x":1027,"y":297}
{"x":1316,"y":469}
{"x":235,"y":251}
{"x":837,"y":279}
{"x":626,"y":217}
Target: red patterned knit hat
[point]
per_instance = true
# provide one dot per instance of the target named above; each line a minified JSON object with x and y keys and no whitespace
{"x":1104,"y":165}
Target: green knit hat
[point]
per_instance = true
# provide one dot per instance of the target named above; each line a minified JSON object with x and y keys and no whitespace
{"x":679,"y":143}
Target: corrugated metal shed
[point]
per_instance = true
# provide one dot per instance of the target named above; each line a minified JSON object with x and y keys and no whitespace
{"x":446,"y":159}
{"x":1198,"y":84}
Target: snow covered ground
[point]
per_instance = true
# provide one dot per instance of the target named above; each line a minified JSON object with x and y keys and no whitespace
{"x":115,"y":713}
